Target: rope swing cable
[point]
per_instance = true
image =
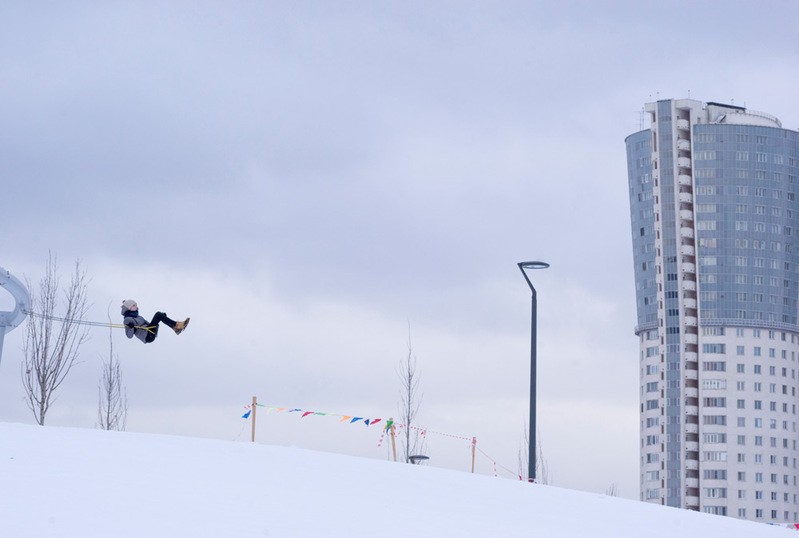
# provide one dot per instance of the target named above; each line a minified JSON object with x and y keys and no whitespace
{"x":89,"y":323}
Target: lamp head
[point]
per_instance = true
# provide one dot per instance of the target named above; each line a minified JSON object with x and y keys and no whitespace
{"x":533,"y":265}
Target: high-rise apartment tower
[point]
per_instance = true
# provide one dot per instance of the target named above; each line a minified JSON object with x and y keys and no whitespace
{"x":714,"y":206}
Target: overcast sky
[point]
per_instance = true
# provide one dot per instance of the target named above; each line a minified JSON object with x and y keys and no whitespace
{"x":312,"y":182}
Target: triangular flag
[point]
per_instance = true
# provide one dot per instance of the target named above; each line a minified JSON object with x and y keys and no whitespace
{"x":307,"y":413}
{"x":366,"y":421}
{"x":247,"y":414}
{"x":294,"y":410}
{"x":345,"y":418}
{"x":376,"y":420}
{"x":356,"y":419}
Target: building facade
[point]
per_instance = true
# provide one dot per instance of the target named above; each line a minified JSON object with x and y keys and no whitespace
{"x":714,"y":206}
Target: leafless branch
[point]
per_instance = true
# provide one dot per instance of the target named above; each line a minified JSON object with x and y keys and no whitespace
{"x":410,"y":400}
{"x":51,"y":347}
{"x":541,"y":467}
{"x":112,"y":410}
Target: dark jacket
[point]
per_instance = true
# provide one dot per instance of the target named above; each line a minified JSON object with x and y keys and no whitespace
{"x":136,"y":319}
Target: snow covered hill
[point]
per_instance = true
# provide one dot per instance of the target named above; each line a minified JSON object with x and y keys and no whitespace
{"x":62,"y":482}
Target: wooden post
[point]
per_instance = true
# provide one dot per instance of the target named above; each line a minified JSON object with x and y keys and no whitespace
{"x":393,"y":440}
{"x":254,"y":403}
{"x":474,"y":445}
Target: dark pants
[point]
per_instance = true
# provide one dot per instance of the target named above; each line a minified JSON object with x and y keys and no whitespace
{"x":153,"y":325}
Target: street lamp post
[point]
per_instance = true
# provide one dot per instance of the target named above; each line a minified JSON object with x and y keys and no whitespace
{"x":523,"y":267}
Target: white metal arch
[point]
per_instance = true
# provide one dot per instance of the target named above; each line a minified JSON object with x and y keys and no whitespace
{"x":10,"y":320}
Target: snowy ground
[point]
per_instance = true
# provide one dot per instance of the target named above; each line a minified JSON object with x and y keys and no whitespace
{"x":65,"y":482}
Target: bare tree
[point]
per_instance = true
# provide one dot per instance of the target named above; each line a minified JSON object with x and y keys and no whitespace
{"x":613,"y":490}
{"x":52,"y":342}
{"x":541,"y":467}
{"x":112,"y":411}
{"x":410,"y":400}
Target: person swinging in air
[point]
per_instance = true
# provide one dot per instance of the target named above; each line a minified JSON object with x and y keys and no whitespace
{"x":136,"y":325}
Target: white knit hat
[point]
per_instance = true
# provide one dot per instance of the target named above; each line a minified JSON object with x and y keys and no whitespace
{"x":128,"y":304}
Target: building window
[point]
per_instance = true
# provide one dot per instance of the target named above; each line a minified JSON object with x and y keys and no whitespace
{"x":715,"y":474}
{"x":714,"y":438}
{"x":715,"y":455}
{"x":714,"y":384}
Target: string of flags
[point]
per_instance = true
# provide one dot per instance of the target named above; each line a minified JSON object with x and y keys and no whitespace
{"x":351,"y":419}
{"x":385,"y":428}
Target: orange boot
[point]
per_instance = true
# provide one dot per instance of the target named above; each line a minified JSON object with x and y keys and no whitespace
{"x":180,"y":326}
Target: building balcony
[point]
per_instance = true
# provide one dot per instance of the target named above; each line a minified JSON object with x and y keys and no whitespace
{"x":684,"y":180}
{"x":684,"y":162}
{"x":683,"y":125}
{"x":686,"y":197}
{"x":683,"y":144}
{"x":687,"y":232}
{"x":691,"y":338}
{"x":689,"y":303}
{"x":692,"y":428}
